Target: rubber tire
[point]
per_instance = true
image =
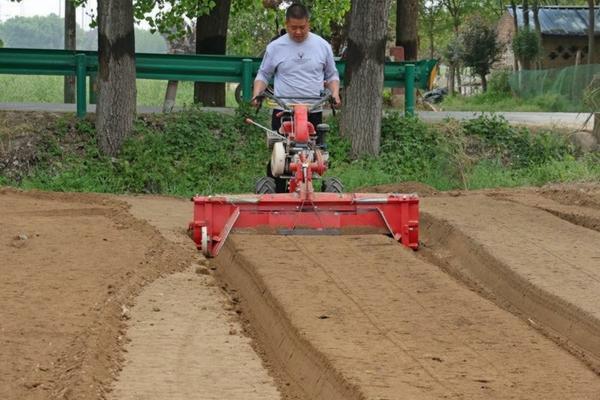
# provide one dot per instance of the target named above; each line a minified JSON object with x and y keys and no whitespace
{"x":238,"y":94}
{"x":265,"y":185}
{"x":280,"y":183}
{"x":332,"y":185}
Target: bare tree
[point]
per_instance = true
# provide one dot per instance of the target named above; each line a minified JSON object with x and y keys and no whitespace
{"x":116,"y":74}
{"x":407,"y":15}
{"x":70,"y":44}
{"x":363,"y":105}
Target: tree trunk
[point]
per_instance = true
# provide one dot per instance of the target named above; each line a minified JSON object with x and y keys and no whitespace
{"x":483,"y":83}
{"x":591,"y":33}
{"x":170,"y":95}
{"x":596,"y":131}
{"x":538,"y":28}
{"x":451,"y":73}
{"x":513,"y":6}
{"x":407,"y":15}
{"x":70,"y":44}
{"x":361,"y":119}
{"x":431,"y":45}
{"x":116,"y":74}
{"x":526,"y":62}
{"x":211,"y":38}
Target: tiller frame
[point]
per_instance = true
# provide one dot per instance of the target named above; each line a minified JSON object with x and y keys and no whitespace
{"x":317,"y":213}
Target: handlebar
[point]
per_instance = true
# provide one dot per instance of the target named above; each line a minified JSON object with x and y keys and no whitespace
{"x":324,"y":98}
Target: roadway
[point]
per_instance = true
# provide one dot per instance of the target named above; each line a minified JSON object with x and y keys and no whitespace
{"x":575,"y":121}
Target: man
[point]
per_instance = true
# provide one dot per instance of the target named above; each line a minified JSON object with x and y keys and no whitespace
{"x":299,"y":61}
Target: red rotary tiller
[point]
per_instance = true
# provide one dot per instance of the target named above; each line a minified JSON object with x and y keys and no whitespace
{"x":286,"y":202}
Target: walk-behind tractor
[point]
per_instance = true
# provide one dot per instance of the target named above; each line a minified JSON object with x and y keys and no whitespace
{"x":286,"y":202}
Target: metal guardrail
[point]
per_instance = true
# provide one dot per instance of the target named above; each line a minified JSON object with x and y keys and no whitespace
{"x":199,"y":68}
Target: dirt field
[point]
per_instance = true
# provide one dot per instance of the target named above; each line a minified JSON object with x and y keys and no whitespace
{"x":105,"y":297}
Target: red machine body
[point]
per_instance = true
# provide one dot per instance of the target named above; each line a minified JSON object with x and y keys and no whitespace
{"x":326,"y":213}
{"x":301,"y":208}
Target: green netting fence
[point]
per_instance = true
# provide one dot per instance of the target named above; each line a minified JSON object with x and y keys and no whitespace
{"x":578,"y":88}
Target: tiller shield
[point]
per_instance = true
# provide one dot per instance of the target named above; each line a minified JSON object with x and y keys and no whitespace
{"x":288,"y":213}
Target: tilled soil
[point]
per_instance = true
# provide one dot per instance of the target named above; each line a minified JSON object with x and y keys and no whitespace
{"x":70,"y":266}
{"x":501,"y":302}
{"x":375,"y":321}
{"x":186,"y":339}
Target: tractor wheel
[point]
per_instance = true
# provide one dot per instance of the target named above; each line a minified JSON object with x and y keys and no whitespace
{"x":265,"y":185}
{"x":280,"y":183}
{"x":332,"y":185}
{"x":238,"y":93}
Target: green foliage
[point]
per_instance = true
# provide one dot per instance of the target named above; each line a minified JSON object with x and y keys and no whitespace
{"x":180,"y":154}
{"x":498,"y":83}
{"x":251,"y":26}
{"x":432,"y":25}
{"x":515,"y":147}
{"x":327,"y":13}
{"x":251,"y":29}
{"x":492,"y":101}
{"x":34,"y":32}
{"x":198,"y":152}
{"x":591,"y":95}
{"x":402,"y":138}
{"x":47,"y":32}
{"x":526,"y":45}
{"x":165,"y":16}
{"x":453,"y":53}
{"x":1,"y":44}
{"x":480,"y":46}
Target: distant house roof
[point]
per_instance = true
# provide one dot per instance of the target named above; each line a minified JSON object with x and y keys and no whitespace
{"x":561,"y":20}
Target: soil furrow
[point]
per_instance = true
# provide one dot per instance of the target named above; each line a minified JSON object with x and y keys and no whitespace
{"x":388,"y":323}
{"x":540,"y":266}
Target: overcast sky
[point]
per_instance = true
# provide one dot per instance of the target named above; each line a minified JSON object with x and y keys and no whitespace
{"x":29,"y":8}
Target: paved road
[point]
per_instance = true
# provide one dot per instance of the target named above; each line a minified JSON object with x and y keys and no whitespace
{"x":575,"y":121}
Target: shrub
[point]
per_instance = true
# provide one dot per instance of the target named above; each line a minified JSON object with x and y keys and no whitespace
{"x":499,"y":84}
{"x":526,"y":45}
{"x":516,"y":147}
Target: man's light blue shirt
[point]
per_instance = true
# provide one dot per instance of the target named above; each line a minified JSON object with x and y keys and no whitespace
{"x":298,"y":69}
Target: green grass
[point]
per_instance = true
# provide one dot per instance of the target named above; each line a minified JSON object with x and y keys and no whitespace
{"x":202,"y":152}
{"x":49,"y":89}
{"x":492,"y":102}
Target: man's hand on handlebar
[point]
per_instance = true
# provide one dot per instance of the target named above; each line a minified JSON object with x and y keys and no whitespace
{"x":336,"y":101}
{"x":256,"y":101}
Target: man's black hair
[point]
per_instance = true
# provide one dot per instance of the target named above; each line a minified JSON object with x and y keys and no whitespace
{"x":297,"y":11}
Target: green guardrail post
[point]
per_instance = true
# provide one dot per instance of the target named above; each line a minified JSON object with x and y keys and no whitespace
{"x":92,"y":88}
{"x":409,"y":92}
{"x":80,"y":71}
{"x":247,"y":79}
